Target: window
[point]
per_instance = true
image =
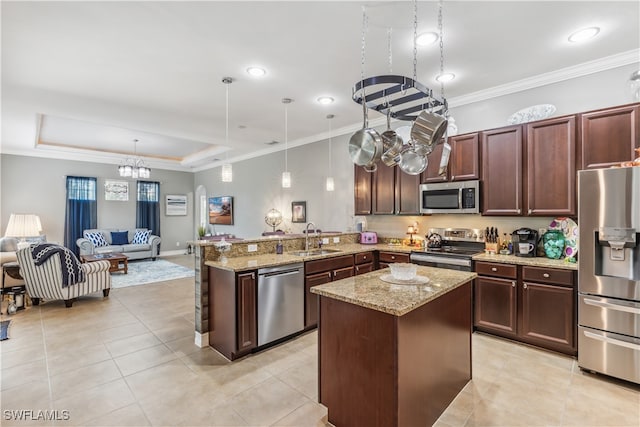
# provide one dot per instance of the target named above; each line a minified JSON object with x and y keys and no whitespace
{"x":148,"y":206}
{"x":81,"y":209}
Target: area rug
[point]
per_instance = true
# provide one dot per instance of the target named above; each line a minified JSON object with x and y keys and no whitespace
{"x":144,"y":272}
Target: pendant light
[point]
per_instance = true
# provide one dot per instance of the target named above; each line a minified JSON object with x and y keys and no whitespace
{"x":286,"y":175}
{"x":227,"y":169}
{"x":330,"y":184}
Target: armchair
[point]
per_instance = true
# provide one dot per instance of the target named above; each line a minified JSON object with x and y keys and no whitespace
{"x":45,"y":281}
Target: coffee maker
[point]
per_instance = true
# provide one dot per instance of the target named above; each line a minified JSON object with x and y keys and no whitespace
{"x":525,"y":241}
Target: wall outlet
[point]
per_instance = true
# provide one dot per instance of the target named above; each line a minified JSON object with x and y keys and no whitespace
{"x":325,"y":240}
{"x":252,"y":248}
{"x":336,"y":240}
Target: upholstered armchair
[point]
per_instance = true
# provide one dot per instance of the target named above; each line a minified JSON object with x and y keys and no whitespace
{"x":45,"y":281}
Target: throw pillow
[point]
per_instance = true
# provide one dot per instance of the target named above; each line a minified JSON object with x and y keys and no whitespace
{"x":97,"y":239}
{"x":119,"y":237}
{"x":141,"y":237}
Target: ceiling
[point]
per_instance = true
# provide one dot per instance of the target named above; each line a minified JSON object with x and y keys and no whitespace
{"x":82,"y":80}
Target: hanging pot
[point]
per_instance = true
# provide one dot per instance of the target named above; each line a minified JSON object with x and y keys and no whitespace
{"x":392,"y":143}
{"x":411,"y":162}
{"x":365,"y":146}
{"x":427,"y":130}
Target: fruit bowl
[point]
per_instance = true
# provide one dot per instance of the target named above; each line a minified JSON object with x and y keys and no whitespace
{"x":403,"y":271}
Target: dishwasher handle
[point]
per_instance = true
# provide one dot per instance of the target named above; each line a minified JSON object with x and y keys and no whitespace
{"x":280,"y":273}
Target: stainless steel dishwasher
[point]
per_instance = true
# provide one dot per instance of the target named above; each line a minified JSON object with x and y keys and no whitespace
{"x":280,"y":302}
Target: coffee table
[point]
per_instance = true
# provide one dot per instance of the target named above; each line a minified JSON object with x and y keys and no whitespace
{"x":117,"y":261}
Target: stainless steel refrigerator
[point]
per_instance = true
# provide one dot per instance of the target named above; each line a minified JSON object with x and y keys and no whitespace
{"x":609,"y":272}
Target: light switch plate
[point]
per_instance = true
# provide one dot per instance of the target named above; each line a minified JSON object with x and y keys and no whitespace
{"x":252,"y":248}
{"x":325,"y":240}
{"x":336,"y":240}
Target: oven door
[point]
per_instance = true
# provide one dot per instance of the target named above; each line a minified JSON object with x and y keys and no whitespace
{"x":440,"y":261}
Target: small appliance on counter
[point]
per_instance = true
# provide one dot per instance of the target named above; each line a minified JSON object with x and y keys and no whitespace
{"x":525,"y":242}
{"x":368,"y":238}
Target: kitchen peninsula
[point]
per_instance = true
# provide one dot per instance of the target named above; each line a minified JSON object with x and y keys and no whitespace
{"x":393,"y":355}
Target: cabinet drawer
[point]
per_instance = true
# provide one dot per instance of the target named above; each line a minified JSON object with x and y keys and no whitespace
{"x":393,"y":257}
{"x":327,"y":264}
{"x":364,"y":257}
{"x":547,"y":275}
{"x":363,"y":268}
{"x":496,"y":269}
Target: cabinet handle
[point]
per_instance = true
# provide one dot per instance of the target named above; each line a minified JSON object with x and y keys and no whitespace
{"x":393,"y":257}
{"x":524,"y":286}
{"x":453,"y":177}
{"x":519,"y":211}
{"x":364,"y":257}
{"x":545,"y":275}
{"x":513,"y":284}
{"x":530,"y":211}
{"x":494,"y":269}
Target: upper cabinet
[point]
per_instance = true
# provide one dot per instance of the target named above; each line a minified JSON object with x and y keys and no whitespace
{"x":362,"y":191}
{"x":609,"y":136}
{"x":387,"y":191}
{"x":384,"y":184}
{"x":551,"y":167}
{"x":464,"y":163}
{"x":501,"y":152}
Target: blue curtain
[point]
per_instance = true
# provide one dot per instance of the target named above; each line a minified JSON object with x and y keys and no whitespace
{"x":82,"y":209}
{"x":148,"y":206}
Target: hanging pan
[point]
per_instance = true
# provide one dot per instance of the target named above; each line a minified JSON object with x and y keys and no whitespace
{"x":365,"y":146}
{"x":427,"y":130}
{"x":392,"y":144}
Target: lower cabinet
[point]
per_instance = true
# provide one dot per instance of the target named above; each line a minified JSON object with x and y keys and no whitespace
{"x":386,"y":258}
{"x":319,"y":272}
{"x":536,"y":305}
{"x":364,"y":263}
{"x":233,"y":329}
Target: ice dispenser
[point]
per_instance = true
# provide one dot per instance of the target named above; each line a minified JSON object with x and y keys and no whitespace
{"x":617,"y":253}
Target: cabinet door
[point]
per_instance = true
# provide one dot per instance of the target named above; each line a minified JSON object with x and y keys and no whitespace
{"x":384,"y":184}
{"x":363,"y":268}
{"x":407,"y":197}
{"x":464,"y":162}
{"x":548,"y":316}
{"x":551,"y":167}
{"x":430,"y":174}
{"x":311,"y":300}
{"x":247,"y":312}
{"x":609,"y":136}
{"x":502,"y":171}
{"x":391,"y":257}
{"x":495,"y":305}
{"x":362,"y":191}
{"x":342,"y":273}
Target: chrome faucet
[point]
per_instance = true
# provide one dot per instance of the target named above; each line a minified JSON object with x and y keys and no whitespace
{"x":306,"y":237}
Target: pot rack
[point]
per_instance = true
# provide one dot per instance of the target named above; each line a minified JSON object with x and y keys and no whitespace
{"x":400,"y":94}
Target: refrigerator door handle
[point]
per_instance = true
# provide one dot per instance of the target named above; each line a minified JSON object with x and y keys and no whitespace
{"x":612,"y":341}
{"x":615,"y":307}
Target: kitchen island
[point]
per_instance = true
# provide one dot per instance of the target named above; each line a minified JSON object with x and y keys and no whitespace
{"x":393,"y":355}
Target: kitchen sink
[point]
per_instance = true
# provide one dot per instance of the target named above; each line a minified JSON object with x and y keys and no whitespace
{"x":312,"y":252}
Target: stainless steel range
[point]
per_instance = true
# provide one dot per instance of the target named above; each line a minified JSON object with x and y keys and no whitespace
{"x":452,"y":248}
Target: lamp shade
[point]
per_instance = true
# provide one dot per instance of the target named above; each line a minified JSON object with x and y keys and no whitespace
{"x":23,"y":225}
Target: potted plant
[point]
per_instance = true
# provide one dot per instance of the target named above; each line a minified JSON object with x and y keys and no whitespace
{"x":201,"y":231}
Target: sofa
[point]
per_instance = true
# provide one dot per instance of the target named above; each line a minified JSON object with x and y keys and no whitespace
{"x":127,"y":242}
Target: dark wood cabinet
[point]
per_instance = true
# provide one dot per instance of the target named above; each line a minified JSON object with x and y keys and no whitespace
{"x":431,"y":173}
{"x":550,"y":185}
{"x":608,"y":136}
{"x":386,"y":258}
{"x":384,"y":194}
{"x":362,"y":191}
{"x":364,"y":262}
{"x":232,"y":312}
{"x":319,"y":272}
{"x":536,"y":305}
{"x":464,"y":160}
{"x":407,"y":196}
{"x":501,"y":153}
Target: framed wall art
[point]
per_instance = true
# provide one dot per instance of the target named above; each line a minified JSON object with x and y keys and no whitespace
{"x":116,"y":190}
{"x":298,"y":211}
{"x":221,"y":210}
{"x":175,"y":204}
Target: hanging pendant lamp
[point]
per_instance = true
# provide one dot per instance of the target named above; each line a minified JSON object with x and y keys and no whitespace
{"x":227,"y":169}
{"x":286,"y":175}
{"x":330,"y":185}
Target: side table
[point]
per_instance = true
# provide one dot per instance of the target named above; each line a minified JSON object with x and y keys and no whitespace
{"x":11,"y":269}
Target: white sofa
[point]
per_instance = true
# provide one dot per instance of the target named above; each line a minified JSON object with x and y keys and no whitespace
{"x":151,"y":249}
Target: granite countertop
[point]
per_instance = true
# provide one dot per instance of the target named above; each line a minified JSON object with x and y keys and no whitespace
{"x":245,"y":263}
{"x":533,"y":261}
{"x":368,"y":290}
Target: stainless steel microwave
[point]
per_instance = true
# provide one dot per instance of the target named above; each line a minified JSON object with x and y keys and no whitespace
{"x":450,"y":197}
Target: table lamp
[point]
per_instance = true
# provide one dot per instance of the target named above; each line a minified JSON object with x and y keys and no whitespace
{"x":22,"y":226}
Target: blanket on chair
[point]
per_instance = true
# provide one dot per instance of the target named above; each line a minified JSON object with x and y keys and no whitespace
{"x":72,"y":271}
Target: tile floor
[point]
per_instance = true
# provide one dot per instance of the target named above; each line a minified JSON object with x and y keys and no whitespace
{"x":129,"y":360}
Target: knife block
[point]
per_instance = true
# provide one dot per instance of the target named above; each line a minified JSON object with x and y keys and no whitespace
{"x":491,"y":247}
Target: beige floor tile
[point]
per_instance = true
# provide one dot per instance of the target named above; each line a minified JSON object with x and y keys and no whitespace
{"x":25,"y":373}
{"x":175,"y":330}
{"x":122,"y":331}
{"x":28,"y":395}
{"x":236,"y":377}
{"x":267,"y":402}
{"x":183,"y":346}
{"x":144,"y":359}
{"x":12,"y":359}
{"x":303,"y":377}
{"x":205,"y":360}
{"x":88,"y":377}
{"x":310,"y":414}
{"x":161,"y":379}
{"x":132,"y":344}
{"x":129,"y":416}
{"x":64,"y":361}
{"x":278,"y":359}
{"x":95,"y":402}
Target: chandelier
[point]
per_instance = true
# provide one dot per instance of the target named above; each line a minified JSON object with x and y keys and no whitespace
{"x":134,"y":167}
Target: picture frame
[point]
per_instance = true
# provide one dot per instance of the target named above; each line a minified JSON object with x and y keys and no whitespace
{"x":221,"y":210}
{"x":116,"y":190}
{"x":175,"y":204}
{"x":298,"y":211}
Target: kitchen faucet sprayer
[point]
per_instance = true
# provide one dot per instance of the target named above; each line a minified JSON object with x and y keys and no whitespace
{"x":306,"y":237}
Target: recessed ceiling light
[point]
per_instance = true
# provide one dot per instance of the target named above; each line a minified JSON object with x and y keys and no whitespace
{"x":583,"y":34}
{"x":325,"y":100}
{"x":445,"y":77}
{"x":256,"y":71}
{"x":426,"y":39}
